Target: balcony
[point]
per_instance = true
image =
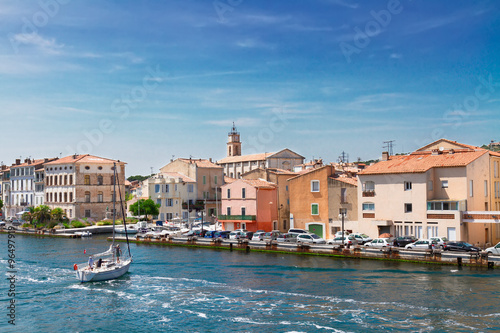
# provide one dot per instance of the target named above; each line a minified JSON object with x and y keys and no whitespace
{"x":369,"y":193}
{"x":238,"y":217}
{"x":198,"y":205}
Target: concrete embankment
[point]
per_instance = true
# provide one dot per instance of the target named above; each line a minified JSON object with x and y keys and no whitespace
{"x":358,"y":252}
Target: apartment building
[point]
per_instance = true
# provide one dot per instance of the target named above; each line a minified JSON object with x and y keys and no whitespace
{"x":83,"y":186}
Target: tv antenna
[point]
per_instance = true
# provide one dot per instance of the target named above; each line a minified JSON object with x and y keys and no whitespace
{"x":388,"y":145}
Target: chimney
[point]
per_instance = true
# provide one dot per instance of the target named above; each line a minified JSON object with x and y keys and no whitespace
{"x":45,"y":160}
{"x":4,"y":167}
{"x":18,"y":161}
{"x":385,"y":156}
{"x":210,"y":159}
{"x":26,"y":160}
{"x":452,"y":151}
{"x":29,"y":161}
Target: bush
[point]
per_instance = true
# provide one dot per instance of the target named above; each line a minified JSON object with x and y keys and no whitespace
{"x":52,"y":224}
{"x":77,"y":224}
{"x":101,"y":223}
{"x":26,"y":225}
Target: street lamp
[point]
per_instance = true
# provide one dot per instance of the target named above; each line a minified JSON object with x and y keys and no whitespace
{"x":343,"y":213}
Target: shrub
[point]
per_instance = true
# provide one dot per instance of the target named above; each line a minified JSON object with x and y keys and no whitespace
{"x":26,"y":225}
{"x":52,"y":224}
{"x":77,"y":224}
{"x":101,"y":223}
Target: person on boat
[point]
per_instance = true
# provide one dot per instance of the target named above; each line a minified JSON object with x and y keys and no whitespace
{"x":91,"y":262}
{"x":118,"y":253}
{"x":99,"y":263}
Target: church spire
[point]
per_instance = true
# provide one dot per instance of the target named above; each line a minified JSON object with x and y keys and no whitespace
{"x":233,"y":142}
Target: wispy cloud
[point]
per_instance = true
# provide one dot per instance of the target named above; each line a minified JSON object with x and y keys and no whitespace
{"x":47,"y":46}
{"x":344,"y":3}
{"x":252,"y":43}
{"x":243,"y":122}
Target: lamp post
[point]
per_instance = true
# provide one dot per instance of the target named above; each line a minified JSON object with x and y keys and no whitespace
{"x":342,"y":213}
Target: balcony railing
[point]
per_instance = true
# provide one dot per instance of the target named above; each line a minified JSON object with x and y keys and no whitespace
{"x":369,"y":193}
{"x":238,"y":217}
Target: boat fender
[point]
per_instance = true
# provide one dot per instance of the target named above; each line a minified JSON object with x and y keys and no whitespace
{"x":75,"y":267}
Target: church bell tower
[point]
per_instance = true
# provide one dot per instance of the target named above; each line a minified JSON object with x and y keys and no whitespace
{"x":233,"y":143}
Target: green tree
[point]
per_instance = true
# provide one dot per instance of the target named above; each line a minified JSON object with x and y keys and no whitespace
{"x":145,"y":207}
{"x":57,"y":214}
{"x":1,"y":204}
{"x":137,"y":177}
{"x":42,"y":213}
{"x":29,"y":215}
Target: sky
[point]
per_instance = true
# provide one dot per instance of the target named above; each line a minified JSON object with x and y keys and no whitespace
{"x":147,"y":81}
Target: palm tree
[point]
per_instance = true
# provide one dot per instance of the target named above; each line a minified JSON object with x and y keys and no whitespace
{"x":28,"y":215}
{"x":57,"y":214}
{"x":42,"y":213}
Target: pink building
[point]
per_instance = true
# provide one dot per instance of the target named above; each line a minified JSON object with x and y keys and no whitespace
{"x":249,"y":204}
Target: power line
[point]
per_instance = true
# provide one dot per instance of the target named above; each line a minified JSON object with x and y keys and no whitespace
{"x":388,"y":146}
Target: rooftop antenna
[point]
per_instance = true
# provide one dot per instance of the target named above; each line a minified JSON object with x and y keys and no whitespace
{"x":344,"y":157}
{"x":151,"y":171}
{"x":388,"y":145}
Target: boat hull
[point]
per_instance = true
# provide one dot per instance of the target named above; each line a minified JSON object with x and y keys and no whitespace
{"x":108,"y":273}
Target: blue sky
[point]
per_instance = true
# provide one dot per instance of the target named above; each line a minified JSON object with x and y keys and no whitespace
{"x":143,"y":81}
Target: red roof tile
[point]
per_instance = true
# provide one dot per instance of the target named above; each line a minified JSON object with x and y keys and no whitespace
{"x":200,"y":163}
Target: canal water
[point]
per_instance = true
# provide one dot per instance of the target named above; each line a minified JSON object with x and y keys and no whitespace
{"x":176,"y":289}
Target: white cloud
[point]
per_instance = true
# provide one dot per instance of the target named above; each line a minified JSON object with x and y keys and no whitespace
{"x":47,"y":46}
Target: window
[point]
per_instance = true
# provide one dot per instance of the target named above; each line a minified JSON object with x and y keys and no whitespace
{"x":243,"y":193}
{"x":407,"y":186}
{"x":343,"y":195}
{"x":243,"y":211}
{"x":442,"y":205}
{"x":495,"y":166}
{"x":65,"y":179}
{"x":87,"y":180}
{"x":99,"y":180}
{"x":314,"y":209}
{"x":229,"y":193}
{"x":175,"y":187}
{"x":368,"y":206}
{"x":157,"y":188}
{"x":167,"y":188}
{"x":408,"y":207}
{"x":190,"y":188}
{"x":87,"y":212}
{"x":430,"y":185}
{"x":70,"y":196}
{"x":444,"y":184}
{"x":112,"y":180}
{"x":314,"y":185}
{"x":99,"y":197}
{"x":471,"y":188}
{"x":228,"y":210}
{"x":170,"y":202}
{"x":286,"y":188}
{"x":70,"y":179}
{"x":158,"y":202}
{"x":215,"y":179}
{"x":87,"y":196}
{"x":55,"y":180}
{"x":65,"y":197}
{"x":485,"y":188}
{"x":369,"y":186}
{"x":204,"y":179}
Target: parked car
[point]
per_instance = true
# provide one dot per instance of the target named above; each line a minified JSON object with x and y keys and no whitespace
{"x":494,"y":249}
{"x":236,"y":235}
{"x":362,"y":238}
{"x":210,"y":234}
{"x":258,"y":236}
{"x":461,"y":246}
{"x":272,"y":235}
{"x":381,"y":242}
{"x":422,"y":244}
{"x":310,"y":238}
{"x":287,"y":238}
{"x":442,"y":241}
{"x":199,"y":232}
{"x":339,"y":233}
{"x":2,"y":223}
{"x":222,"y":234}
{"x":297,"y":231}
{"x":248,"y":235}
{"x":18,"y":222}
{"x":402,"y":241}
{"x":348,"y":240}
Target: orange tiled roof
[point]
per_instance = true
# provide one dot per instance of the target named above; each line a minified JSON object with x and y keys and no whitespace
{"x":451,"y":142}
{"x":347,"y":180}
{"x":86,"y":158}
{"x":32,"y":162}
{"x":260,"y":183}
{"x":179,"y":175}
{"x":229,"y":180}
{"x":418,"y":162}
{"x":200,"y":163}
{"x":245,"y":158}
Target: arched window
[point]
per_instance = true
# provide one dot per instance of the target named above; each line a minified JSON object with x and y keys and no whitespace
{"x":65,"y":180}
{"x":55,"y":180}
{"x":87,"y":179}
{"x":70,"y":196}
{"x":70,"y":179}
{"x":60,"y":197}
{"x":65,"y":197}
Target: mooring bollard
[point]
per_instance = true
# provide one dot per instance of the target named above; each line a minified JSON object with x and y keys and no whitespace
{"x":491,"y":264}
{"x":230,"y":246}
{"x":459,"y":261}
{"x":248,"y":248}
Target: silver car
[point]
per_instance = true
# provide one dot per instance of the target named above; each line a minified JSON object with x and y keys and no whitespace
{"x":310,"y":238}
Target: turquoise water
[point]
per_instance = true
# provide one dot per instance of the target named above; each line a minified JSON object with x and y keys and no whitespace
{"x":173,"y":289}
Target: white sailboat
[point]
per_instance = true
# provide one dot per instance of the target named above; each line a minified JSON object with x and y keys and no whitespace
{"x":110,"y":264}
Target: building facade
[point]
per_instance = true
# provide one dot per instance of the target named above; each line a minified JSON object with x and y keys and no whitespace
{"x":249,"y":204}
{"x":83,"y":186}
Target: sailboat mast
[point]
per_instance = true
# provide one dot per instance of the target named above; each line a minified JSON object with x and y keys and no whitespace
{"x":114,"y":201}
